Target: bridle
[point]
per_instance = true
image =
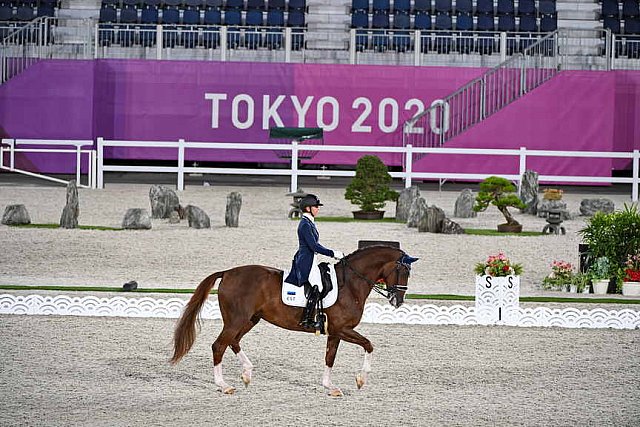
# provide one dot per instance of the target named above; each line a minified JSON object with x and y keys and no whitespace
{"x":380,"y":285}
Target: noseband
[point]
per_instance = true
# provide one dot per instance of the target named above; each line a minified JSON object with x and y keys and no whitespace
{"x":380,"y":285}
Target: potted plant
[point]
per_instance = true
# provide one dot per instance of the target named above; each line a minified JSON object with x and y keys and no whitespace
{"x":560,"y":277}
{"x":498,"y":266}
{"x":631,"y":280}
{"x":581,"y":282}
{"x":600,"y":273}
{"x":499,"y":192}
{"x":615,"y":236}
{"x":497,"y":289}
{"x":369,"y":189}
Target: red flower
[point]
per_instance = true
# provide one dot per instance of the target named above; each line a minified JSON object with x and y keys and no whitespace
{"x":632,"y":275}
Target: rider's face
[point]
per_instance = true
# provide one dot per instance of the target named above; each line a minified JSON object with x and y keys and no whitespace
{"x":315,"y":210}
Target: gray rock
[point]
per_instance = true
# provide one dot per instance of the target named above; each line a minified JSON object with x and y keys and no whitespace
{"x":451,"y":227}
{"x":16,"y":215}
{"x":70,"y":212}
{"x":417,"y":211}
{"x":405,"y":201}
{"x":529,"y":192}
{"x":432,"y":220}
{"x":589,"y":207}
{"x":544,"y":206}
{"x":464,"y":205}
{"x":197,"y":217}
{"x":174,"y":218}
{"x":163,"y":201}
{"x":136,"y":219}
{"x":232,"y":214}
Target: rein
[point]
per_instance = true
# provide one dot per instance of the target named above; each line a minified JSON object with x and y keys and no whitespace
{"x":380,"y":285}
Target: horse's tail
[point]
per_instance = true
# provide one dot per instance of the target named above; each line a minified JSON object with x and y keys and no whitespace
{"x":185,"y":333}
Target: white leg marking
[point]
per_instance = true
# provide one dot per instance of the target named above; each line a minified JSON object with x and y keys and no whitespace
{"x":332,"y":390}
{"x":361,"y":378}
{"x":219,"y":380}
{"x":247,"y":367}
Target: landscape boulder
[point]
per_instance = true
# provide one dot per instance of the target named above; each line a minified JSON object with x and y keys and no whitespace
{"x":417,"y":211}
{"x":232,"y":214}
{"x":136,"y":219}
{"x":70,"y":212}
{"x":589,"y":207}
{"x":197,"y":218}
{"x":163,"y":201}
{"x":405,"y":201}
{"x":16,"y":215}
{"x":464,"y":205}
{"x":529,"y":192}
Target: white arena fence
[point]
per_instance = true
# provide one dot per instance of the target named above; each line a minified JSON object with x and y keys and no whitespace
{"x":375,"y":313}
{"x":97,"y":164}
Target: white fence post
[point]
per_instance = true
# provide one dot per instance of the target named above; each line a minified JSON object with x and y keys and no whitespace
{"x":352,"y":46}
{"x":287,"y":44}
{"x":523,"y":165}
{"x":636,"y":175}
{"x":180,"y":164}
{"x":417,"y":47}
{"x":78,"y":164}
{"x":159,"y":42}
{"x":408,"y":165}
{"x":100,"y":156}
{"x":12,"y":154}
{"x":294,"y":166}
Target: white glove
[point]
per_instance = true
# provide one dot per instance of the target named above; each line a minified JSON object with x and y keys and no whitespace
{"x":338,"y":255}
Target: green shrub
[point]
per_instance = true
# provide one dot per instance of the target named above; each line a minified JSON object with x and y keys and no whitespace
{"x":499,"y":192}
{"x":369,"y":189}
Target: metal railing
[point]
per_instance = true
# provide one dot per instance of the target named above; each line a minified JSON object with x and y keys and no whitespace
{"x":220,"y":41}
{"x":408,"y":153}
{"x":485,"y":95}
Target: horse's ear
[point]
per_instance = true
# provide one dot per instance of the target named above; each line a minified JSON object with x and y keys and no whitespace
{"x":406,"y":259}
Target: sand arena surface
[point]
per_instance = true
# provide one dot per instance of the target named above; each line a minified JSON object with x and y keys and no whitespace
{"x":175,"y":256}
{"x":63,"y":371}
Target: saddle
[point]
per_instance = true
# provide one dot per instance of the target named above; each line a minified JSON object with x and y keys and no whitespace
{"x":323,"y":276}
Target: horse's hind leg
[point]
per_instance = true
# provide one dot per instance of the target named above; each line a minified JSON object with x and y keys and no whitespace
{"x":247,"y":366}
{"x":330,"y":357}
{"x":226,"y":337}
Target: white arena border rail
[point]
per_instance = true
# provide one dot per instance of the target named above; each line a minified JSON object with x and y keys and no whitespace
{"x":408,"y":314}
{"x":407,"y":151}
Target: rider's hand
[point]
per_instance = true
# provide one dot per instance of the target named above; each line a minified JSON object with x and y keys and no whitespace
{"x":338,"y":255}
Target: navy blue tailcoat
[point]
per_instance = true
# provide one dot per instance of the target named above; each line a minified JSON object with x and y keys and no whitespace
{"x":308,"y":246}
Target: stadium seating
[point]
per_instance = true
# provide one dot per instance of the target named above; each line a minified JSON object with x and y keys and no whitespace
{"x":274,"y":37}
{"x":357,"y":5}
{"x":276,"y":4}
{"x":526,"y":7}
{"x":253,"y":36}
{"x":610,"y":8}
{"x":403,"y":6}
{"x":256,"y":5}
{"x":630,"y":9}
{"x":299,"y":5}
{"x":484,"y":7}
{"x":422,"y":6}
{"x":464,"y":7}
{"x":148,"y":20}
{"x":444,"y":7}
{"x":505,"y":7}
{"x":234,"y":5}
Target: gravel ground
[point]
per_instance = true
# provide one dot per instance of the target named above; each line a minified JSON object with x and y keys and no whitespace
{"x":63,"y":371}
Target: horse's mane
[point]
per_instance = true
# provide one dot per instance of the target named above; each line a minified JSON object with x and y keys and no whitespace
{"x":361,"y":251}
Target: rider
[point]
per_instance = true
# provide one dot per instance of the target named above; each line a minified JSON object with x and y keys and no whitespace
{"x":303,"y":260}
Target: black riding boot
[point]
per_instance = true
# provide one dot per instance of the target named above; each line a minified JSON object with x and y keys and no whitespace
{"x":309,"y":309}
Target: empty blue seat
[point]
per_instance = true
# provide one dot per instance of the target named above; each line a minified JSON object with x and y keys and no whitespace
{"x":129,"y":15}
{"x":24,"y":13}
{"x":45,"y":10}
{"x":464,"y":7}
{"x":191,"y":17}
{"x":212,"y":17}
{"x":421,"y":6}
{"x":297,"y":5}
{"x":464,"y":39}
{"x":630,"y":8}
{"x":148,"y":19}
{"x":256,"y":4}
{"x":485,"y":23}
{"x":6,"y":12}
{"x":215,"y":4}
{"x":233,"y":19}
{"x":444,"y":6}
{"x":170,"y":16}
{"x":548,"y":23}
{"x":295,"y":19}
{"x":253,"y":36}
{"x":610,"y":8}
{"x":506,"y":23}
{"x":276,"y":4}
{"x":402,"y":6}
{"x":632,"y":26}
{"x":443,"y":22}
{"x":547,"y":7}
{"x":234,"y":5}
{"x":254,"y":18}
{"x":422,"y":21}
{"x":149,"y":15}
{"x":612,"y":23}
{"x":381,"y":6}
{"x":193,"y":3}
{"x":170,"y":19}
{"x":107,"y":14}
{"x":401,"y":21}
{"x":505,"y":7}
{"x":380,"y":20}
{"x":359,"y":19}
{"x":464,"y":23}
{"x":442,"y":41}
{"x":359,"y":5}
{"x":526,"y":7}
{"x":484,"y":7}
{"x":528,"y":23}
{"x":275,"y":18}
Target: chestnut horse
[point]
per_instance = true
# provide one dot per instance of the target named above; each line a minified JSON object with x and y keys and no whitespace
{"x":249,"y":293}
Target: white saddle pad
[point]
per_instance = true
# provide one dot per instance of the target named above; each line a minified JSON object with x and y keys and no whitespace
{"x":294,"y":295}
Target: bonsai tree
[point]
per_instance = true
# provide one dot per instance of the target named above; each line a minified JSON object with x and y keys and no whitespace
{"x":369,"y":189}
{"x":499,"y":192}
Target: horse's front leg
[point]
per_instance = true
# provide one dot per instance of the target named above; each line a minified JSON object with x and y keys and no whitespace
{"x":353,"y":337}
{"x":329,"y":358}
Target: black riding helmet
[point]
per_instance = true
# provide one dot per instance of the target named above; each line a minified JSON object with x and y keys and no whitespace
{"x":308,"y":201}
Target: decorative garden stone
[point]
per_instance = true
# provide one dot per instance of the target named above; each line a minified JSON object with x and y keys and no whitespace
{"x":197,"y":217}
{"x":405,"y":201}
{"x":432,"y":219}
{"x":163,"y":201}
{"x":16,"y":215}
{"x":451,"y":227}
{"x":174,"y":218}
{"x":136,"y":219}
{"x":417,"y":211}
{"x":544,"y":206}
{"x":464,"y":205}
{"x":232,"y":214}
{"x":70,"y":212}
{"x":529,"y":192}
{"x":589,"y":207}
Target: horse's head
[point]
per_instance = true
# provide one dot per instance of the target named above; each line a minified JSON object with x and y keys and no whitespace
{"x":395,"y":279}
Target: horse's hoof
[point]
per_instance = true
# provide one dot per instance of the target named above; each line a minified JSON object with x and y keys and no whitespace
{"x":229,"y":390}
{"x":246,"y":378}
{"x":360,"y":380}
{"x":335,"y":392}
